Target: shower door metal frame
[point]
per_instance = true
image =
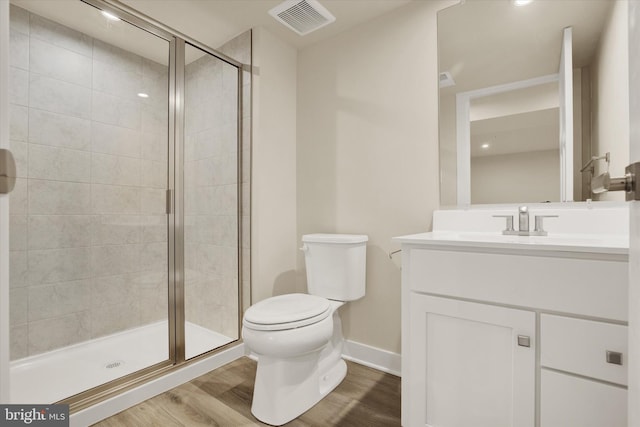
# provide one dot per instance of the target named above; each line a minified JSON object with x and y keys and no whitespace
{"x":179,"y":346}
{"x":4,"y":207}
{"x":175,"y":208}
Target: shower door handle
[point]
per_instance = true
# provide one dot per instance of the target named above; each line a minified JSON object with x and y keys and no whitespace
{"x":169,"y":202}
{"x":7,"y":171}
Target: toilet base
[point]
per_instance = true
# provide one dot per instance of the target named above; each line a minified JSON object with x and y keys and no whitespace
{"x":287,"y":387}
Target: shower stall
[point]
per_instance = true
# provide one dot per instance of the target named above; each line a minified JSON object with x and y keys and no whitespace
{"x":129,"y":219}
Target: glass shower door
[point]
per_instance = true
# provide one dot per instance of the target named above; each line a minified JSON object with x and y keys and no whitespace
{"x":211,"y":190}
{"x":89,"y":121}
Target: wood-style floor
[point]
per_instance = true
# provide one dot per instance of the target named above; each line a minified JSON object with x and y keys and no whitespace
{"x":366,"y":398}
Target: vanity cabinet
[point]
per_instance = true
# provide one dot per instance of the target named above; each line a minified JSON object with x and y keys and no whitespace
{"x":512,"y":335}
{"x":480,"y":368}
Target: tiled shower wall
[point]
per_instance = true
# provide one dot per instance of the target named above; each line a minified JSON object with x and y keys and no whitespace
{"x":88,"y":227}
{"x":211,"y":190}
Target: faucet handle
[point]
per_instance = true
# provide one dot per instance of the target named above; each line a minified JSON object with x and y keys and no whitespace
{"x":539,"y":229}
{"x":509,"y":225}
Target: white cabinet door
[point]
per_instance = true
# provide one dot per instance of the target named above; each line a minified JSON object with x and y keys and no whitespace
{"x":466,"y":366}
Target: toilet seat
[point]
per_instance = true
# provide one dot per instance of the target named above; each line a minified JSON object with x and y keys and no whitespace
{"x":288,"y":311}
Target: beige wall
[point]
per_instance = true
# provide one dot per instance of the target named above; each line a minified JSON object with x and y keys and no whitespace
{"x":367,"y":151}
{"x":610,"y":95}
{"x":345,"y":139}
{"x":273,"y":182}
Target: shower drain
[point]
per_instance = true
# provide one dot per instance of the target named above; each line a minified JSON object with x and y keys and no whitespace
{"x":114,"y":364}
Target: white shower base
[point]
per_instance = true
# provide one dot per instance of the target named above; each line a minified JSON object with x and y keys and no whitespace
{"x":58,"y":374}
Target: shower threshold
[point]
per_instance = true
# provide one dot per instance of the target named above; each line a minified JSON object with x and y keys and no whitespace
{"x":58,"y":374}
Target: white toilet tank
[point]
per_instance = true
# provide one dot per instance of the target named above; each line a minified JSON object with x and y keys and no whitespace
{"x":336,"y":265}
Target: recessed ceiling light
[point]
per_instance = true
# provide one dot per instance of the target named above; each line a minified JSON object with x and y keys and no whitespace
{"x":109,"y":16}
{"x":521,"y":2}
{"x":143,"y":95}
{"x":484,"y":146}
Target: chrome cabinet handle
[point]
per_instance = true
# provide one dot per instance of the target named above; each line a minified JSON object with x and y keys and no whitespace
{"x":7,"y":171}
{"x":524,"y":341}
{"x":614,"y":357}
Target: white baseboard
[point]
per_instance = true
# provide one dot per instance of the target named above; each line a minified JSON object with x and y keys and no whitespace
{"x":373,"y":357}
{"x":148,"y":390}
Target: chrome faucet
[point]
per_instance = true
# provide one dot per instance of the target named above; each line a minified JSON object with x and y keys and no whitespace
{"x":523,"y":223}
{"x":523,"y":218}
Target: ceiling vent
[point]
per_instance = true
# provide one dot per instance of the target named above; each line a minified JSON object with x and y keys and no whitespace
{"x":446,"y":79}
{"x":302,"y":16}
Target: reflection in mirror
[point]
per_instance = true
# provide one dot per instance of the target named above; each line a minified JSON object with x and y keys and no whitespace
{"x":483,"y":44}
{"x":510,"y":138}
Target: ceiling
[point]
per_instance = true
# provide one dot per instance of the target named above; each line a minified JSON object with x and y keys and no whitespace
{"x":210,"y":22}
{"x":214,"y":22}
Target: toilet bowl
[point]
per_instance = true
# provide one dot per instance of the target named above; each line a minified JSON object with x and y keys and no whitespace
{"x":297,"y":338}
{"x":296,"y":365}
{"x":277,"y":327}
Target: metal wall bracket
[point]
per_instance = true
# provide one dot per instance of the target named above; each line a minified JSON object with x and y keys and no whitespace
{"x":7,"y":171}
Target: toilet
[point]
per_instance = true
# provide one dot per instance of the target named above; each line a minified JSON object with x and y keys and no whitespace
{"x":297,"y":338}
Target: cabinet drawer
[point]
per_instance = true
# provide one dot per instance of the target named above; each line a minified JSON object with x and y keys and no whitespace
{"x":547,"y":283}
{"x":580,"y":346}
{"x":566,"y":401}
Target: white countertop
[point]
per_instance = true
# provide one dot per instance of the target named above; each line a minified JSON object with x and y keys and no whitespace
{"x":555,"y":242}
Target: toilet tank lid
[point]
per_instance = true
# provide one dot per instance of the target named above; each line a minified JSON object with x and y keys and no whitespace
{"x":335,"y":238}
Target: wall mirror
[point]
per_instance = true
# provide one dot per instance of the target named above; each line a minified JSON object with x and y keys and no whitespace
{"x":502,"y":59}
